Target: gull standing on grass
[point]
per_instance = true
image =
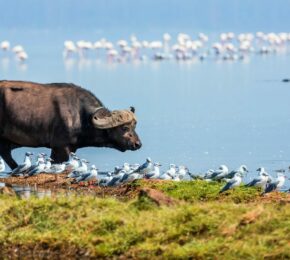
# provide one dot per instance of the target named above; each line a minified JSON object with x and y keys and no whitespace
{"x":131,"y":176}
{"x":277,"y":184}
{"x":170,"y":173}
{"x":73,"y":162}
{"x":146,"y":167}
{"x":48,"y":164}
{"x":105,"y":180}
{"x":115,"y":180}
{"x":261,"y":180}
{"x":39,"y":160}
{"x":242,"y":169}
{"x":22,"y":168}
{"x":126,"y":167}
{"x":182,"y":172}
{"x":56,"y":168}
{"x":155,"y":174}
{"x":36,"y":169}
{"x":82,"y":169}
{"x":90,"y":176}
{"x":218,"y":174}
{"x":232,"y":183}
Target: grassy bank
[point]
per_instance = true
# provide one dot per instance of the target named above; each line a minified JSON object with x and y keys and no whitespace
{"x":198,"y":225}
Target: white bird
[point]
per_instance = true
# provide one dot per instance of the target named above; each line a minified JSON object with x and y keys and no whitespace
{"x":22,"y":56}
{"x":2,"y":165}
{"x":112,"y":54}
{"x":182,"y":172}
{"x":39,"y":159}
{"x":115,"y":180}
{"x":57,"y":168}
{"x":47,"y":164}
{"x":242,"y":169}
{"x":17,"y":49}
{"x":126,"y":168}
{"x":277,"y":184}
{"x":145,"y":167}
{"x":90,"y":176}
{"x":261,"y":180}
{"x":73,"y":162}
{"x":232,"y":183}
{"x":37,"y":168}
{"x":5,"y":45}
{"x":106,"y":179}
{"x":134,"y":166}
{"x":69,"y":48}
{"x":131,"y":177}
{"x":24,"y":166}
{"x":155,"y":174}
{"x":122,"y":43}
{"x":170,"y":173}
{"x":82,"y":169}
{"x":221,"y":173}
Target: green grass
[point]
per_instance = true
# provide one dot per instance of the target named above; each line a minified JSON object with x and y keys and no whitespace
{"x":192,"y":191}
{"x":199,"y":227}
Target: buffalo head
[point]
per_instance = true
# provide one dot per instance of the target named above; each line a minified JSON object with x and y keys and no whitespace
{"x":120,"y":128}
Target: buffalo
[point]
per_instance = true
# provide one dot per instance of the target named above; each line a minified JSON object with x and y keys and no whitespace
{"x":60,"y":116}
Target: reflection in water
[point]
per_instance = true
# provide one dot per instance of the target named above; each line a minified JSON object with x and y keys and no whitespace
{"x":5,"y":62}
{"x":26,"y":192}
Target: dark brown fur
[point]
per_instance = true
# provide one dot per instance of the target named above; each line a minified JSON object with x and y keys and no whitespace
{"x":56,"y":116}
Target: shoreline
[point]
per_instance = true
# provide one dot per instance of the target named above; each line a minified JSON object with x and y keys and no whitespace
{"x":199,"y":190}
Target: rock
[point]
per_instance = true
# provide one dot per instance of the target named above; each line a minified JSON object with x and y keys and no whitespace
{"x":7,"y":191}
{"x":157,"y":197}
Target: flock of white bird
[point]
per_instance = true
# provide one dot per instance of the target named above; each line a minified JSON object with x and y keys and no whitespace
{"x":18,"y":51}
{"x":229,"y":46}
{"x":79,"y":170}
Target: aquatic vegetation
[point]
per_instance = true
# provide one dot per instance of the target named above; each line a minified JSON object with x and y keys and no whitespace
{"x":199,"y":225}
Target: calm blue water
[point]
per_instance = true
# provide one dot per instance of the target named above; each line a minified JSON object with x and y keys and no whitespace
{"x":201,"y":114}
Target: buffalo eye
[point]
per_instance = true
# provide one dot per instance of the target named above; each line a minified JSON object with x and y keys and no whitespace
{"x":125,"y":128}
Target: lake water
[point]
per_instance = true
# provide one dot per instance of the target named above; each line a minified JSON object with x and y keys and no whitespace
{"x":199,"y":114}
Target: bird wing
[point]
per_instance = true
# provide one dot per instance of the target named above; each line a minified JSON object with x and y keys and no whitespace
{"x":149,"y":175}
{"x":113,"y":181}
{"x":33,"y":171}
{"x":231,"y":174}
{"x":141,"y":167}
{"x":253,"y":183}
{"x":271,"y":187}
{"x":124,"y":177}
{"x":226,"y":187}
{"x":18,"y":169}
{"x":74,"y":174}
{"x":83,"y":177}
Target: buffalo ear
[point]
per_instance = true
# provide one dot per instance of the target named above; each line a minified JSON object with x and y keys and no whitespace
{"x":132,"y":109}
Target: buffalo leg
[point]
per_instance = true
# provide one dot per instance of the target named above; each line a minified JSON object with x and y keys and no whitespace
{"x":5,"y":152}
{"x":60,"y":154}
